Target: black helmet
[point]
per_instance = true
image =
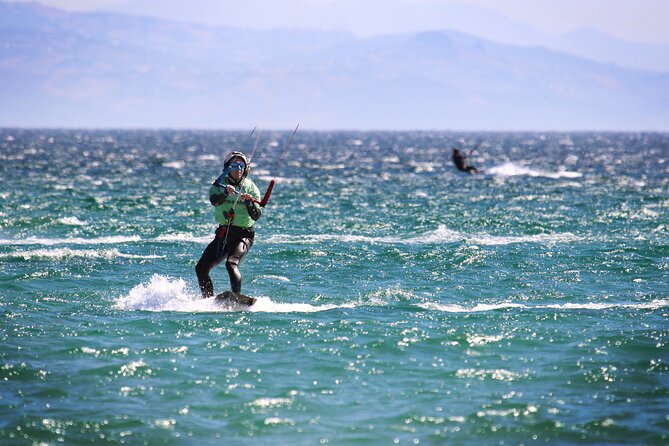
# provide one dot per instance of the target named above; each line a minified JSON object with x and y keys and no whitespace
{"x":231,"y":156}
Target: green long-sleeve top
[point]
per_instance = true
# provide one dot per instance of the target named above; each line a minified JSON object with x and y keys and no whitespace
{"x":244,"y":213}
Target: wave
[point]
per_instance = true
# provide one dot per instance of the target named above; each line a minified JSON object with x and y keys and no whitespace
{"x":71,"y":221}
{"x":272,"y":277}
{"x":183,"y":237}
{"x":68,"y":253}
{"x":479,"y":308}
{"x":438,"y":236}
{"x":280,"y":180}
{"x":110,"y":240}
{"x":163,"y":293}
{"x":443,"y":234}
{"x":510,"y":169}
{"x":177,"y":165}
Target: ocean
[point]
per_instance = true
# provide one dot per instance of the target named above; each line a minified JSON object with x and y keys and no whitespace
{"x":400,"y":301}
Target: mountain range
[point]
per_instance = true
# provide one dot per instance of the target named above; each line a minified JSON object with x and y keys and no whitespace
{"x":64,"y":69}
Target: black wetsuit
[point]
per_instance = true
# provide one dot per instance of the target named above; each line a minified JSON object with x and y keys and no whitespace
{"x":460,"y":163}
{"x":232,"y":248}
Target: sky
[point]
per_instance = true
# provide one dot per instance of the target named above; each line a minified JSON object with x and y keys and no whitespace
{"x":630,"y":20}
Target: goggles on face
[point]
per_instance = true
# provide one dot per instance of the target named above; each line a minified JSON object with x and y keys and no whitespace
{"x":237,"y":166}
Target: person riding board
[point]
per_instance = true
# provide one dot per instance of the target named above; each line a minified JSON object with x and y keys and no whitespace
{"x":460,"y":162}
{"x":232,"y":195}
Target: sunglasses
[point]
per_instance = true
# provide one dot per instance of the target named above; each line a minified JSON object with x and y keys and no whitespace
{"x":237,"y":166}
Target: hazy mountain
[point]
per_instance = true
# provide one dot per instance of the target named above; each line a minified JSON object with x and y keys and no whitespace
{"x":113,"y":70}
{"x":376,"y":17}
{"x":604,"y":48}
{"x":491,"y":25}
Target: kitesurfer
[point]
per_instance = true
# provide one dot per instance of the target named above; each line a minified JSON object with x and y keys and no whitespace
{"x":235,"y":199}
{"x":460,"y":162}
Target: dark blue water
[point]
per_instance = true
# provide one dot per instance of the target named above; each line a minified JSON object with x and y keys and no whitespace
{"x":399,"y":300}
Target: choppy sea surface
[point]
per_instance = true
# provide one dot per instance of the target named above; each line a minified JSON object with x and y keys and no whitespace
{"x":400,"y":301}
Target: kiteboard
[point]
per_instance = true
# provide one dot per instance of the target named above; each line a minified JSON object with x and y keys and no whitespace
{"x":230,"y":298}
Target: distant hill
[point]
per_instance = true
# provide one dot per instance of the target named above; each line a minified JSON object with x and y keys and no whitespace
{"x":111,"y":70}
{"x":473,"y":18}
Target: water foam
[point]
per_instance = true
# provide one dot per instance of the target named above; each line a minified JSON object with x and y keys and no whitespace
{"x":479,"y":308}
{"x":163,"y":293}
{"x":510,"y":169}
{"x":68,"y":253}
{"x":183,"y":237}
{"x":440,"y":235}
{"x":110,"y":240}
{"x":177,"y":165}
{"x":444,"y":235}
{"x":71,"y":221}
{"x":272,"y":277}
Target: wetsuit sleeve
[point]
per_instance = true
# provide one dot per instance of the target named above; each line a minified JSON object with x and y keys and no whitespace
{"x":217,"y":194}
{"x":252,"y":207}
{"x":254,"y":210}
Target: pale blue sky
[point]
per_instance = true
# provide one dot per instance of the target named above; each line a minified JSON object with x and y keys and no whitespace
{"x":631,"y":20}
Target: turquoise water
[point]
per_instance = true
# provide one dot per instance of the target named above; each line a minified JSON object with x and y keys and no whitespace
{"x":400,"y":301}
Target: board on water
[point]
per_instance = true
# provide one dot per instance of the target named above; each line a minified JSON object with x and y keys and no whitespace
{"x":229,"y":298}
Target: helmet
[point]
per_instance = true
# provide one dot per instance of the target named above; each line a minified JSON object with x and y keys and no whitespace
{"x":231,"y":156}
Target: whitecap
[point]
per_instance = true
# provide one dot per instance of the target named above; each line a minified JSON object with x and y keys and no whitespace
{"x":652,"y":305}
{"x":209,"y":157}
{"x":178,"y":165}
{"x":111,"y":240}
{"x":478,"y":340}
{"x":132,"y":368}
{"x":510,"y":169}
{"x":183,"y":237}
{"x":272,"y":277}
{"x":456,"y":308}
{"x":265,"y":304}
{"x":566,"y":237}
{"x":318,"y":238}
{"x":391,"y":159}
{"x":72,"y":221}
{"x":441,"y":235}
{"x":571,"y":159}
{"x":66,"y":253}
{"x":280,"y":180}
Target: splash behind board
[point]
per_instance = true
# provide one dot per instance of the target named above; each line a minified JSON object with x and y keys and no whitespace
{"x":229,"y":298}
